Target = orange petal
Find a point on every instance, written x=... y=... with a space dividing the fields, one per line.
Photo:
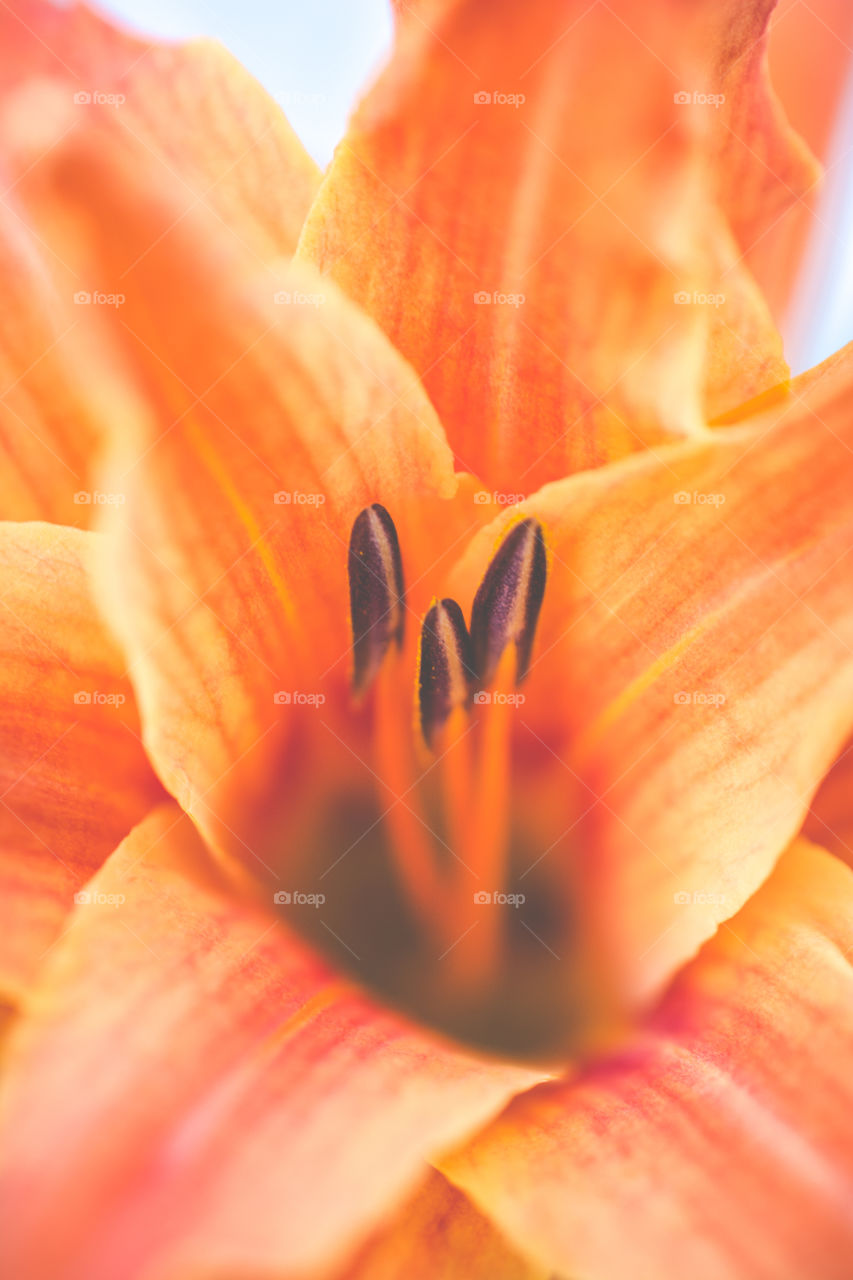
x=47 y=437
x=211 y=1094
x=693 y=677
x=597 y=199
x=438 y=1232
x=74 y=776
x=199 y=116
x=256 y=414
x=764 y=164
x=810 y=89
x=720 y=1144
x=200 y=119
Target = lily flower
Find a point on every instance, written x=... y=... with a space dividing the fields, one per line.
x=427 y=659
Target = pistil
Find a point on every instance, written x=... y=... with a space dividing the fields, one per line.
x=377 y=615
x=475 y=771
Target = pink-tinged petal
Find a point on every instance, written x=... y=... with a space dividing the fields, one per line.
x=74 y=778
x=829 y=821
x=542 y=159
x=198 y=115
x=693 y=675
x=720 y=1144
x=439 y=1233
x=210 y=1093
x=764 y=165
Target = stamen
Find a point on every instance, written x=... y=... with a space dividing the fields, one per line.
x=506 y=606
x=411 y=844
x=376 y=592
x=477 y=958
x=445 y=668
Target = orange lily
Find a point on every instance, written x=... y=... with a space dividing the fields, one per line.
x=425 y=800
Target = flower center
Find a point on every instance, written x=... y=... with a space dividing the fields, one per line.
x=417 y=825
x=450 y=828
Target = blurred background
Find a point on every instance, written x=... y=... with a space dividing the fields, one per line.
x=316 y=56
